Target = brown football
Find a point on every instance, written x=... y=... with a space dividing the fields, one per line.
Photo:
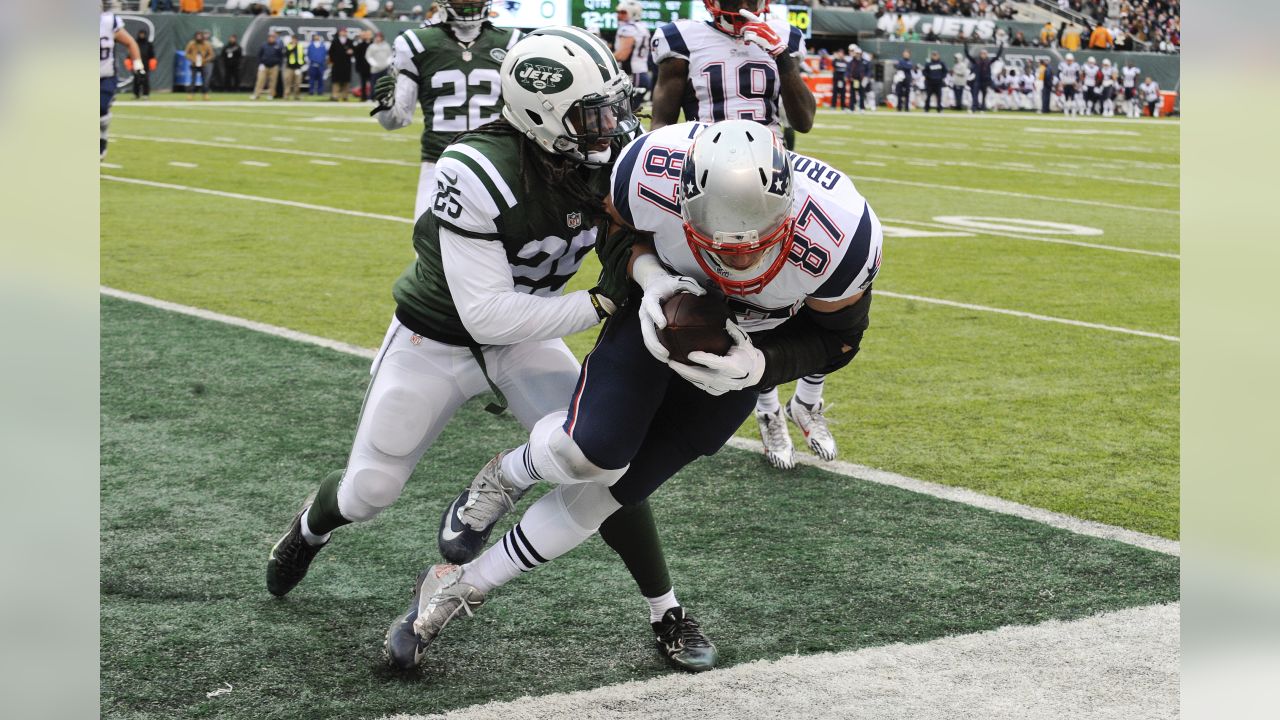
x=695 y=322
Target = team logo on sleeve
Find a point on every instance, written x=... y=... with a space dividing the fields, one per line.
x=498 y=54
x=543 y=75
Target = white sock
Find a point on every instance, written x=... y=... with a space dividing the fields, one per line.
x=557 y=523
x=517 y=466
x=768 y=402
x=658 y=606
x=809 y=389
x=311 y=538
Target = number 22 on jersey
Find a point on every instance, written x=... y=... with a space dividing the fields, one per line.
x=465 y=106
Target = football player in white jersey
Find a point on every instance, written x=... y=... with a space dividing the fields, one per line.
x=1129 y=78
x=631 y=47
x=737 y=67
x=1107 y=88
x=795 y=248
x=1091 y=74
x=111 y=31
x=1149 y=91
x=1069 y=80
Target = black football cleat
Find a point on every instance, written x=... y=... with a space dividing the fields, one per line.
x=467 y=522
x=404 y=648
x=290 y=557
x=682 y=642
x=447 y=597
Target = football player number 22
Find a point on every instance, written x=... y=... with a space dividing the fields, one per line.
x=449 y=113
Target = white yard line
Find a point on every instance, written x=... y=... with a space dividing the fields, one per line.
x=255 y=163
x=179 y=163
x=324 y=162
x=1027 y=315
x=1007 y=168
x=882 y=477
x=255 y=198
x=392 y=218
x=256 y=148
x=265 y=126
x=1036 y=238
x=1122 y=664
x=1010 y=193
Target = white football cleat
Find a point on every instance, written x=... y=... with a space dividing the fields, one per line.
x=813 y=423
x=778 y=449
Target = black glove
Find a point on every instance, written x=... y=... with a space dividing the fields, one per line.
x=615 y=255
x=384 y=94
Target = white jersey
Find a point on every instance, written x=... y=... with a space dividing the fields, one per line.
x=1027 y=83
x=1090 y=75
x=1131 y=74
x=838 y=239
x=1150 y=91
x=1108 y=77
x=731 y=79
x=108 y=26
x=1069 y=73
x=638 y=63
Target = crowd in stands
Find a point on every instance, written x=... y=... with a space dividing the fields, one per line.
x=372 y=9
x=998 y=9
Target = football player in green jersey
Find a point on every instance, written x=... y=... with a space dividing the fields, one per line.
x=481 y=308
x=451 y=70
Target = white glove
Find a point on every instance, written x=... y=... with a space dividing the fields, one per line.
x=761 y=34
x=719 y=374
x=658 y=285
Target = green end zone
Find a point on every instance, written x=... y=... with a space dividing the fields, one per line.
x=212 y=435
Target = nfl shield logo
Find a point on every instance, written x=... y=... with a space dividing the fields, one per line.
x=574 y=219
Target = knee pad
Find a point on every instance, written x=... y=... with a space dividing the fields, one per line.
x=398 y=419
x=558 y=459
x=367 y=491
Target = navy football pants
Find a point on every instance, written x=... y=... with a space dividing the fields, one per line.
x=630 y=408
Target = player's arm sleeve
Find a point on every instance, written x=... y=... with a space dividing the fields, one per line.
x=813 y=342
x=483 y=291
x=620 y=180
x=669 y=43
x=795 y=42
x=400 y=114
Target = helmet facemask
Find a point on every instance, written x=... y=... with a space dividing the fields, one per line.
x=465 y=16
x=597 y=125
x=726 y=18
x=736 y=200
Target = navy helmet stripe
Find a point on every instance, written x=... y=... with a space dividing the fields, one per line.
x=855 y=258
x=622 y=180
x=675 y=39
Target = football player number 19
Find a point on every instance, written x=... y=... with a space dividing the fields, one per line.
x=754 y=81
x=449 y=114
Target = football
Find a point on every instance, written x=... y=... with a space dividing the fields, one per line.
x=695 y=322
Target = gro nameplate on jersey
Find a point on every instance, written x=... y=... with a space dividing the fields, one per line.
x=573 y=220
x=543 y=75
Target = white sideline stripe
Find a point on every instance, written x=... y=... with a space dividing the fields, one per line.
x=965 y=496
x=392 y=218
x=1010 y=193
x=1005 y=115
x=1030 y=316
x=179 y=163
x=1036 y=238
x=113 y=166
x=323 y=162
x=257 y=148
x=263 y=126
x=1122 y=664
x=275 y=330
x=255 y=198
x=255 y=163
x=882 y=477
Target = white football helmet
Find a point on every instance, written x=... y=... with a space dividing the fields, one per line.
x=725 y=16
x=736 y=196
x=563 y=88
x=633 y=9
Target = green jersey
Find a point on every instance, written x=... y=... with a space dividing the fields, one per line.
x=458 y=84
x=481 y=195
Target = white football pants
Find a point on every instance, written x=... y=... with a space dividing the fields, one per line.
x=426 y=189
x=417 y=386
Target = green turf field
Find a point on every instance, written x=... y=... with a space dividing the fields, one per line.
x=211 y=434
x=1077 y=420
